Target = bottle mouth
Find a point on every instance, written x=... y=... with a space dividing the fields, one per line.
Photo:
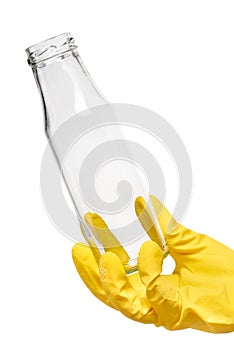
x=56 y=46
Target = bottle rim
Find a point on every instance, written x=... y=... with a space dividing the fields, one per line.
x=50 y=48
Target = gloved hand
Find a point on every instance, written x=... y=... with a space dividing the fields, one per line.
x=105 y=275
x=199 y=294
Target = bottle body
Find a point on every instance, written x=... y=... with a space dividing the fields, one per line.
x=70 y=96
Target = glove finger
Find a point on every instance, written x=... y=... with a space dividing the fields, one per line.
x=92 y=245
x=120 y=293
x=165 y=219
x=104 y=236
x=87 y=267
x=150 y=260
x=161 y=290
x=166 y=299
x=145 y=216
x=180 y=239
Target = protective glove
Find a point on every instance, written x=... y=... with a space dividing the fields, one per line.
x=199 y=293
x=128 y=294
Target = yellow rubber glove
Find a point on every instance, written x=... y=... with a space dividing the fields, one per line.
x=199 y=294
x=128 y=294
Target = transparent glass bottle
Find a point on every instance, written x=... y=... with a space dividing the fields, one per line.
x=66 y=90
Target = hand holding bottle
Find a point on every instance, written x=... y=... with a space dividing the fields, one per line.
x=199 y=293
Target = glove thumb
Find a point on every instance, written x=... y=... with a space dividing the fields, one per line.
x=161 y=290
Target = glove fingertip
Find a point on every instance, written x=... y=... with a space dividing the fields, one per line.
x=110 y=263
x=149 y=250
x=149 y=262
x=78 y=249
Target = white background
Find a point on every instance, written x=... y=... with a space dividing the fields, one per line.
x=175 y=57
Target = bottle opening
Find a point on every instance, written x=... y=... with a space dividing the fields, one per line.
x=53 y=47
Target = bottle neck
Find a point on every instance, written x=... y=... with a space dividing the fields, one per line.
x=63 y=81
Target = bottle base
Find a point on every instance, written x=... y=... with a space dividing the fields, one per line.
x=131 y=266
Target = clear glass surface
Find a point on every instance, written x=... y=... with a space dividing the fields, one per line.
x=67 y=90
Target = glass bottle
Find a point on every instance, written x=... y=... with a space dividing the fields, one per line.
x=66 y=90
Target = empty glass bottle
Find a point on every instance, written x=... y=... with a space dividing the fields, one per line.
x=67 y=90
